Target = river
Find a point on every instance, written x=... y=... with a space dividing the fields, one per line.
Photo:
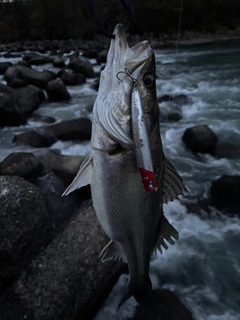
x=203 y=267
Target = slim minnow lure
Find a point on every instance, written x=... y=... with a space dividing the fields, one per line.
x=140 y=138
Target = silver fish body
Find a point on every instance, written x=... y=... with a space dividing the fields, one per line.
x=131 y=217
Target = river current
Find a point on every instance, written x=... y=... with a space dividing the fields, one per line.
x=203 y=267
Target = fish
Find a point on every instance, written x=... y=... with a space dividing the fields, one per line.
x=130 y=210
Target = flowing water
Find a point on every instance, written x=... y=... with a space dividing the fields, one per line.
x=203 y=268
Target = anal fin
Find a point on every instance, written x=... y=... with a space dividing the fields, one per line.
x=112 y=251
x=166 y=232
x=83 y=176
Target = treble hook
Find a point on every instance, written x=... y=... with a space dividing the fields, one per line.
x=127 y=5
x=128 y=73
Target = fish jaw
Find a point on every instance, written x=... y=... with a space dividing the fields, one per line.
x=113 y=104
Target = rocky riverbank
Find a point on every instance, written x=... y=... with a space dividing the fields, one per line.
x=51 y=270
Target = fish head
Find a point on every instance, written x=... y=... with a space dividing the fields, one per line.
x=124 y=65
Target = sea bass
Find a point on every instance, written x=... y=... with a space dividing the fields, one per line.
x=130 y=215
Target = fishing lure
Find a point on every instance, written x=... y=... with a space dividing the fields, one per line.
x=140 y=138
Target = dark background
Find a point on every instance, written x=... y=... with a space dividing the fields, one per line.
x=63 y=19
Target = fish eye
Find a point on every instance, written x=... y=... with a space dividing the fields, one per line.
x=148 y=81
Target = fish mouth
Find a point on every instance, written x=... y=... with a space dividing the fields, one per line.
x=125 y=57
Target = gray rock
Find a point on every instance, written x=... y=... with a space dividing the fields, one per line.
x=35 y=77
x=31 y=55
x=10 y=114
x=68 y=280
x=102 y=56
x=21 y=164
x=28 y=100
x=39 y=92
x=26 y=224
x=82 y=65
x=200 y=139
x=40 y=60
x=225 y=193
x=57 y=91
x=33 y=139
x=170 y=111
x=4 y=66
x=74 y=129
x=73 y=79
x=168 y=307
x=58 y=62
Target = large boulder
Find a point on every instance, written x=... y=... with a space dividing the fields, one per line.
x=200 y=139
x=32 y=76
x=27 y=99
x=4 y=66
x=82 y=65
x=72 y=79
x=26 y=224
x=225 y=193
x=40 y=60
x=33 y=139
x=57 y=91
x=168 y=307
x=10 y=114
x=21 y=164
x=74 y=129
x=58 y=62
x=67 y=280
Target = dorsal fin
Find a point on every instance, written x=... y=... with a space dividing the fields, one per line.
x=112 y=251
x=172 y=183
x=83 y=176
x=166 y=232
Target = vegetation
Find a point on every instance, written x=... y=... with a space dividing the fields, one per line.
x=63 y=19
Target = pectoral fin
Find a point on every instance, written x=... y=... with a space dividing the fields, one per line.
x=172 y=183
x=166 y=232
x=112 y=251
x=83 y=176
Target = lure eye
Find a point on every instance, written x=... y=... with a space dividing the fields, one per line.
x=148 y=81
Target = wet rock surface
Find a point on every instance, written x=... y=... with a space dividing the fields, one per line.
x=225 y=193
x=57 y=91
x=200 y=139
x=33 y=139
x=21 y=164
x=67 y=280
x=26 y=224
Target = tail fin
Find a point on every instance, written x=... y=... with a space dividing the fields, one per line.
x=144 y=297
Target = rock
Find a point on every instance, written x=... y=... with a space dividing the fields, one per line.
x=68 y=280
x=200 y=139
x=40 y=60
x=73 y=79
x=90 y=53
x=10 y=114
x=168 y=307
x=58 y=62
x=40 y=118
x=95 y=85
x=12 y=55
x=26 y=224
x=225 y=193
x=22 y=63
x=57 y=91
x=35 y=77
x=28 y=100
x=66 y=168
x=74 y=129
x=4 y=66
x=31 y=55
x=102 y=56
x=170 y=111
x=39 y=92
x=165 y=98
x=33 y=139
x=82 y=65
x=182 y=99
x=21 y=164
